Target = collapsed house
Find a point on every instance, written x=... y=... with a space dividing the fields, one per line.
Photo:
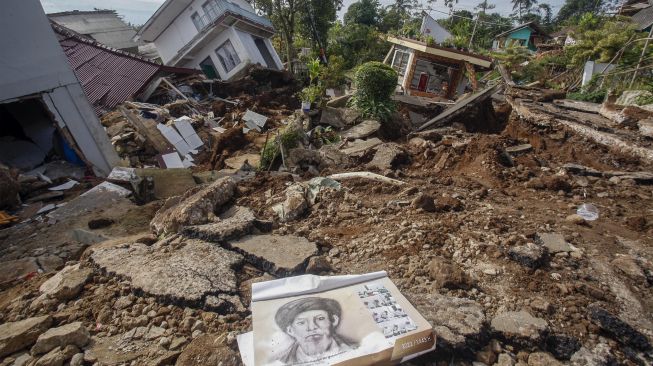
x=433 y=71
x=529 y=35
x=107 y=75
x=42 y=104
x=104 y=26
x=219 y=37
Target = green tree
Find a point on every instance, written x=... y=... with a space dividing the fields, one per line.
x=363 y=12
x=308 y=17
x=356 y=44
x=572 y=10
x=521 y=8
x=602 y=38
x=315 y=18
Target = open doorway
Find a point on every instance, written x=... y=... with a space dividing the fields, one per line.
x=265 y=52
x=208 y=67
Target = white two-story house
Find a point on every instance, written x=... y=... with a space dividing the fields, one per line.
x=221 y=37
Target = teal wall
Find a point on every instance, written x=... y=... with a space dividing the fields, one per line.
x=525 y=34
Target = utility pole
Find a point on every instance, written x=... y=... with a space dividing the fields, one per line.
x=639 y=63
x=478 y=17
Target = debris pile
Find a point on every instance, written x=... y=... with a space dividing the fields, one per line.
x=522 y=239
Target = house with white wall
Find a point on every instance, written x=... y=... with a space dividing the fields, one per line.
x=43 y=108
x=220 y=37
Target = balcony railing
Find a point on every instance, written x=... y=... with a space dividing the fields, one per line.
x=216 y=9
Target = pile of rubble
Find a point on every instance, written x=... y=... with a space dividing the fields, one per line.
x=526 y=243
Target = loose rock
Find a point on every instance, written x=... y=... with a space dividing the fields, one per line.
x=73 y=333
x=15 y=336
x=67 y=283
x=519 y=324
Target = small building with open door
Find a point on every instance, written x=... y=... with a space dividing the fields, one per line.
x=434 y=71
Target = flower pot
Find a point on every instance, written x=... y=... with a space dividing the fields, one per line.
x=306 y=106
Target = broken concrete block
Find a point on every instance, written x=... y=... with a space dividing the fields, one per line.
x=194 y=207
x=73 y=333
x=359 y=148
x=15 y=336
x=646 y=127
x=554 y=242
x=361 y=130
x=276 y=254
x=184 y=271
x=519 y=324
x=235 y=222
x=295 y=204
x=331 y=117
x=388 y=156
x=529 y=255
x=317 y=265
x=67 y=283
x=458 y=323
x=339 y=102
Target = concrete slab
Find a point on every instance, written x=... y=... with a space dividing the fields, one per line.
x=179 y=271
x=276 y=254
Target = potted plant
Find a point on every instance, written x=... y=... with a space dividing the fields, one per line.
x=314 y=90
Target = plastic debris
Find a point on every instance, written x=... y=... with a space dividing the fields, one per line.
x=588 y=211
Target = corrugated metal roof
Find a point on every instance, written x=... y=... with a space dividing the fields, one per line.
x=108 y=76
x=644 y=18
x=105 y=26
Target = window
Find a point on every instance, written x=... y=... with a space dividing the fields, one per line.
x=227 y=56
x=400 y=61
x=210 y=9
x=197 y=20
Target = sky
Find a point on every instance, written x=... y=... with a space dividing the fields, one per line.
x=138 y=11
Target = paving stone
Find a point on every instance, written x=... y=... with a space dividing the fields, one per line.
x=15 y=336
x=458 y=322
x=276 y=254
x=73 y=333
x=233 y=223
x=554 y=242
x=181 y=270
x=519 y=324
x=67 y=283
x=194 y=207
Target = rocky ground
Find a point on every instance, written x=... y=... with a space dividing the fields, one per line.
x=478 y=230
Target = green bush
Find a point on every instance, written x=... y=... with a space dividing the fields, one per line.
x=597 y=96
x=376 y=83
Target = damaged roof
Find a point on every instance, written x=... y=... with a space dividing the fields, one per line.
x=104 y=26
x=108 y=76
x=532 y=25
x=644 y=18
x=472 y=58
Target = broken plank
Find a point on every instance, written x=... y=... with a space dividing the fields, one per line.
x=456 y=109
x=148 y=129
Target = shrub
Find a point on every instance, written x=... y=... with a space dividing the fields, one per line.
x=375 y=80
x=596 y=96
x=375 y=83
